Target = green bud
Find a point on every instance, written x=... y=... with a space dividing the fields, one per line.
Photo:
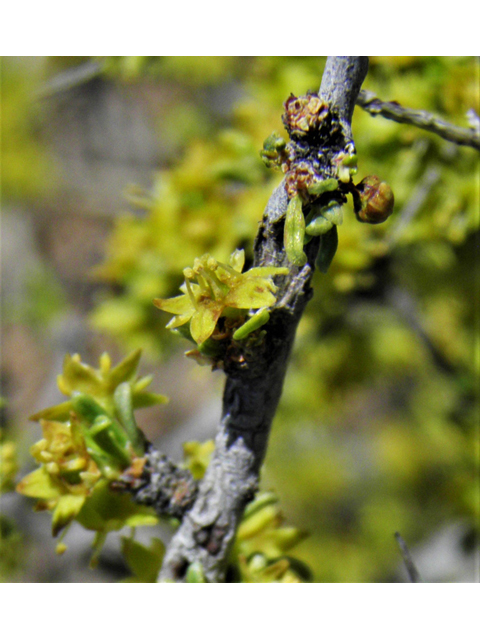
x=261 y=501
x=318 y=225
x=273 y=148
x=322 y=186
x=294 y=232
x=259 y=521
x=327 y=249
x=274 y=143
x=333 y=212
x=252 y=324
x=258 y=562
x=195 y=573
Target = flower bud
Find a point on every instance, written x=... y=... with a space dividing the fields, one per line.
x=373 y=200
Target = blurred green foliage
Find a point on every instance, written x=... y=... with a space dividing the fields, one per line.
x=26 y=165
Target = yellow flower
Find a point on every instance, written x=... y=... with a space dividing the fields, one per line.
x=87 y=442
x=66 y=476
x=219 y=288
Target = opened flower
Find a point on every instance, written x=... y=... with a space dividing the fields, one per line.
x=66 y=476
x=88 y=441
x=213 y=289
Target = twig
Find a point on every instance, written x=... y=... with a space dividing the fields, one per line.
x=423 y=119
x=255 y=380
x=70 y=79
x=412 y=571
x=163 y=485
x=414 y=204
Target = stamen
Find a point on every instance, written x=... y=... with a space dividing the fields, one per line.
x=190 y=294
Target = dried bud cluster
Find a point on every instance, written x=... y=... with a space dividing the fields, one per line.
x=312 y=127
x=304 y=115
x=319 y=162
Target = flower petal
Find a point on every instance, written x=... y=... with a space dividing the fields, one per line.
x=178 y=321
x=39 y=484
x=251 y=294
x=180 y=305
x=204 y=321
x=66 y=510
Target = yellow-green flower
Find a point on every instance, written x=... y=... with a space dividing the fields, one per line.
x=87 y=442
x=219 y=289
x=101 y=384
x=67 y=473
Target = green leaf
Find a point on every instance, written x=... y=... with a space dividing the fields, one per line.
x=237 y=260
x=144 y=562
x=77 y=376
x=318 y=225
x=197 y=456
x=125 y=370
x=124 y=407
x=107 y=511
x=148 y=399
x=59 y=412
x=327 y=249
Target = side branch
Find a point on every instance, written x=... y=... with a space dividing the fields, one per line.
x=469 y=137
x=163 y=485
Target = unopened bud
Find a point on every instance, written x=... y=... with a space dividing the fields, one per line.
x=373 y=200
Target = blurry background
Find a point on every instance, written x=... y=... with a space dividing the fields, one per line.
x=118 y=172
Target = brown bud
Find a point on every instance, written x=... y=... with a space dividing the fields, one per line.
x=304 y=113
x=373 y=200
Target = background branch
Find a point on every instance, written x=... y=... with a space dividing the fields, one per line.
x=423 y=119
x=255 y=378
x=412 y=570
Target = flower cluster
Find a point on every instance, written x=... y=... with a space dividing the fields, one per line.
x=88 y=441
x=304 y=115
x=213 y=289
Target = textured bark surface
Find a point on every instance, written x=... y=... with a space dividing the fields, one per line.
x=255 y=376
x=423 y=120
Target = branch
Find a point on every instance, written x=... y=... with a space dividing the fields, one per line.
x=171 y=490
x=255 y=376
x=70 y=79
x=412 y=570
x=423 y=119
